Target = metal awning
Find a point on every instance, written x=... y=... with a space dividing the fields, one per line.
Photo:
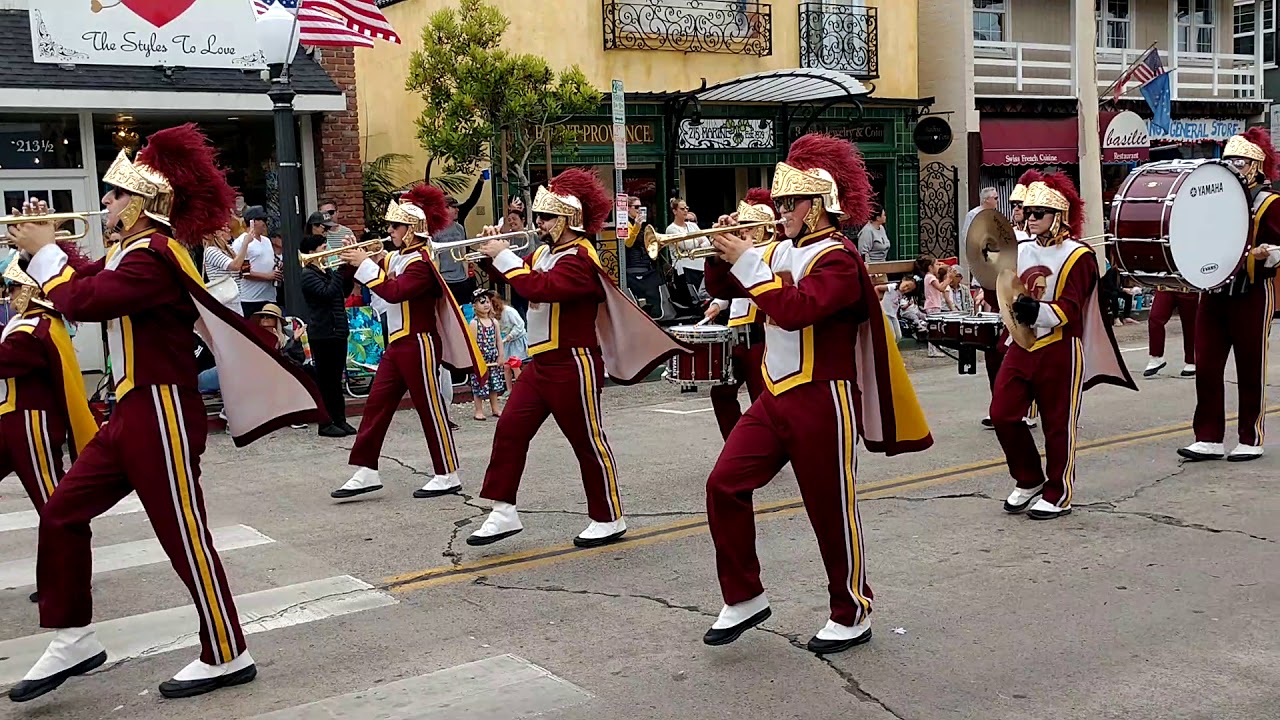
x=786 y=87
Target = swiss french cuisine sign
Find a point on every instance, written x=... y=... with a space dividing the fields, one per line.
x=177 y=33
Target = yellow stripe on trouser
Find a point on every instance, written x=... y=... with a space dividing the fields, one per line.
x=202 y=569
x=431 y=377
x=1260 y=425
x=587 y=369
x=37 y=434
x=848 y=429
x=1077 y=380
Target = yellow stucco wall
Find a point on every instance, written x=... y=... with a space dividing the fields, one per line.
x=568 y=32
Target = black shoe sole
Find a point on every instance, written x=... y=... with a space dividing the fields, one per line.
x=32 y=689
x=1152 y=373
x=332 y=432
x=1186 y=374
x=34 y=597
x=341 y=494
x=1242 y=458
x=474 y=541
x=831 y=647
x=725 y=636
x=597 y=542
x=1035 y=515
x=987 y=423
x=1195 y=456
x=174 y=689
x=423 y=494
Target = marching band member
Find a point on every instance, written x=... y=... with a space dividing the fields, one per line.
x=149 y=292
x=1238 y=316
x=1016 y=200
x=425 y=329
x=42 y=398
x=1186 y=303
x=1073 y=351
x=579 y=326
x=832 y=374
x=748 y=354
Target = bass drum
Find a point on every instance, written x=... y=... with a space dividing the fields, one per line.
x=1181 y=225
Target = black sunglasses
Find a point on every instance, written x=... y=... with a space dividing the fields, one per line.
x=1038 y=213
x=544 y=217
x=788 y=204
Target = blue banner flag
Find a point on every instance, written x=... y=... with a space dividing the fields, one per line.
x=1158 y=97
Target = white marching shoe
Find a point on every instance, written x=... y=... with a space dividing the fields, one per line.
x=503 y=522
x=365 y=480
x=440 y=485
x=1045 y=510
x=834 y=637
x=736 y=619
x=1245 y=453
x=1198 y=451
x=1155 y=365
x=1189 y=370
x=200 y=677
x=601 y=533
x=1021 y=498
x=71 y=652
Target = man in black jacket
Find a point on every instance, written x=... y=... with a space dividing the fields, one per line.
x=325 y=291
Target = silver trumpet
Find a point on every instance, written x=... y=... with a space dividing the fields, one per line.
x=461 y=250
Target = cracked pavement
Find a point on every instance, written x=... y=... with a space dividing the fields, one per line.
x=1154 y=599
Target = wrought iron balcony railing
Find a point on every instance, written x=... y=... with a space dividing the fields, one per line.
x=840 y=38
x=713 y=26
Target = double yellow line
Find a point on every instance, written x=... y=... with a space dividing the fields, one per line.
x=540 y=557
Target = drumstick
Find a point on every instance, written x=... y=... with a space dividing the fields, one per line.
x=702 y=322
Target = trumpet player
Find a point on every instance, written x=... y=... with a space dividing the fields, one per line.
x=832 y=374
x=579 y=326
x=744 y=315
x=425 y=329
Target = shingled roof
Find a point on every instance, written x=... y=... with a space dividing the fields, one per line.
x=22 y=71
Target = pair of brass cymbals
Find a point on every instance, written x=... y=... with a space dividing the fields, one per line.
x=991 y=247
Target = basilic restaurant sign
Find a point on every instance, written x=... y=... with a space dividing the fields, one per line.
x=726 y=134
x=177 y=33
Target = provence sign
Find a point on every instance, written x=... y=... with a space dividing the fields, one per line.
x=177 y=33
x=727 y=134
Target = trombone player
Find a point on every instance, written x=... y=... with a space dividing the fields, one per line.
x=425 y=329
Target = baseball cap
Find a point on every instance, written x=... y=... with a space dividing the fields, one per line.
x=255 y=212
x=319 y=218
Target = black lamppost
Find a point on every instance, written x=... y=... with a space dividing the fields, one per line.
x=278 y=35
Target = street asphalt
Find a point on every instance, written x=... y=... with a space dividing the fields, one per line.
x=1157 y=598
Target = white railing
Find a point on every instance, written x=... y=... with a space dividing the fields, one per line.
x=1040 y=70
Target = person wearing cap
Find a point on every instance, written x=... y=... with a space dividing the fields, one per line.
x=148 y=292
x=832 y=376
x=1236 y=319
x=272 y=322
x=325 y=291
x=258 y=281
x=1073 y=350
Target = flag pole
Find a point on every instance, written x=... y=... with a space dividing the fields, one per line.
x=1124 y=76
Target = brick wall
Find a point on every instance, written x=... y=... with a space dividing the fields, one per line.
x=337 y=140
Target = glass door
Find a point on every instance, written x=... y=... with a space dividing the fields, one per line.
x=62 y=195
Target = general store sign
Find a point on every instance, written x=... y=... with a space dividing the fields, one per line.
x=726 y=134
x=1199 y=130
x=177 y=33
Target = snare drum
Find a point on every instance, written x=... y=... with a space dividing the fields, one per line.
x=709 y=363
x=944 y=328
x=981 y=330
x=1181 y=225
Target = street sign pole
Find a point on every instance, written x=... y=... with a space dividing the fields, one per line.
x=619 y=164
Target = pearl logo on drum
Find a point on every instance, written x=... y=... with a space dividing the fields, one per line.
x=1201 y=190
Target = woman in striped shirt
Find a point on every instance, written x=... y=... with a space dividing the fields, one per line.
x=220 y=263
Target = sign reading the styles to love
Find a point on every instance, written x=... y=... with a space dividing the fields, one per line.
x=178 y=33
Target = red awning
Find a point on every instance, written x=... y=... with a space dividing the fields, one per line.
x=1018 y=141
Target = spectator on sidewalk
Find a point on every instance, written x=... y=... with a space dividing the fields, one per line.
x=892 y=298
x=258 y=279
x=222 y=268
x=325 y=291
x=338 y=234
x=456 y=273
x=643 y=279
x=873 y=239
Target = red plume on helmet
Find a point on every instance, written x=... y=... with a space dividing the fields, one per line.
x=1075 y=216
x=1260 y=137
x=431 y=201
x=842 y=159
x=760 y=196
x=585 y=185
x=1030 y=176
x=75 y=256
x=202 y=199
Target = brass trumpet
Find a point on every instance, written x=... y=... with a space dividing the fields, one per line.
x=57 y=219
x=654 y=241
x=460 y=250
x=330 y=258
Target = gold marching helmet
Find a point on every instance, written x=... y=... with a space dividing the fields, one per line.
x=757 y=207
x=1019 y=194
x=1253 y=145
x=408 y=214
x=22 y=289
x=789 y=181
x=152 y=193
x=566 y=206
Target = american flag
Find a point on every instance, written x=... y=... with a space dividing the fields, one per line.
x=1147 y=68
x=336 y=23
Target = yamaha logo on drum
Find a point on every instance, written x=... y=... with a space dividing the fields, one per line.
x=1211 y=267
x=1213 y=189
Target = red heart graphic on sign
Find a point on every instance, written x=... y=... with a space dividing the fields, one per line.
x=158 y=12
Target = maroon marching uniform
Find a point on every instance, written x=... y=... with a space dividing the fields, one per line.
x=1187 y=305
x=831 y=378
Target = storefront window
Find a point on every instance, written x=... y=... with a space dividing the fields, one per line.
x=40 y=142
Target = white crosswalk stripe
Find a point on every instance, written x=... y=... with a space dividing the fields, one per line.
x=28 y=519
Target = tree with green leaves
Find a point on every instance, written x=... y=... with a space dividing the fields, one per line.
x=476 y=94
